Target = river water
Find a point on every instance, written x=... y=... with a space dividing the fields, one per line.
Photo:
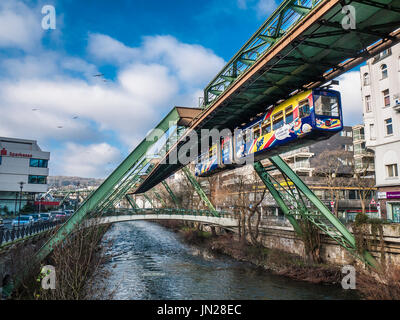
x=150 y=262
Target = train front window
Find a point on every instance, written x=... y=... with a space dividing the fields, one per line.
x=327 y=105
x=277 y=121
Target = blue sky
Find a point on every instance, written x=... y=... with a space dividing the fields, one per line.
x=153 y=54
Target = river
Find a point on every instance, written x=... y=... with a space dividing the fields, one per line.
x=150 y=262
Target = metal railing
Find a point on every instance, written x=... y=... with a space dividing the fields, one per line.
x=169 y=211
x=8 y=236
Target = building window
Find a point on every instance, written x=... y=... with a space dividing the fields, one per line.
x=391 y=170
x=389 y=126
x=386 y=98
x=384 y=71
x=37 y=179
x=38 y=163
x=368 y=103
x=372 y=133
x=366 y=79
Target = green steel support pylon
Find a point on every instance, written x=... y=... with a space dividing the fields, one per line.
x=169 y=190
x=149 y=200
x=294 y=193
x=131 y=201
x=199 y=190
x=264 y=176
x=160 y=198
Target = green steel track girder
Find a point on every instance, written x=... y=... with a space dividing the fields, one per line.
x=171 y=193
x=324 y=220
x=288 y=14
x=131 y=201
x=196 y=185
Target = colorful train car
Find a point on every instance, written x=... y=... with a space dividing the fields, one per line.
x=301 y=120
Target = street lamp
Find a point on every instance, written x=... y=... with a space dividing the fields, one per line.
x=21 y=185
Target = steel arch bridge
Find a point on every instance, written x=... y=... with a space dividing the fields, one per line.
x=224 y=219
x=302 y=45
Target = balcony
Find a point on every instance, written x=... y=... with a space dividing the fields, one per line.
x=300 y=165
x=358 y=137
x=304 y=152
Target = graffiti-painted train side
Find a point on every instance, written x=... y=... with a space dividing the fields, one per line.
x=300 y=120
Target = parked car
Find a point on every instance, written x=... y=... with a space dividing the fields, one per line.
x=36 y=218
x=57 y=215
x=45 y=216
x=22 y=221
x=68 y=212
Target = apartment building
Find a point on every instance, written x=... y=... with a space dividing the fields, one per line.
x=380 y=86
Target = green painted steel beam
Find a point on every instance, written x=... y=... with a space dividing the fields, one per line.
x=196 y=185
x=335 y=229
x=158 y=196
x=288 y=14
x=264 y=176
x=120 y=190
x=284 y=167
x=149 y=200
x=171 y=193
x=107 y=186
x=131 y=201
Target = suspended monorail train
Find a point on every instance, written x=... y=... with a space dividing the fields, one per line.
x=301 y=120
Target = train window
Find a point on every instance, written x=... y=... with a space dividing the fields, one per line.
x=327 y=105
x=289 y=114
x=256 y=131
x=266 y=127
x=304 y=108
x=247 y=136
x=277 y=120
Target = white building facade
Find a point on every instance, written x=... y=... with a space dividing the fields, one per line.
x=380 y=80
x=22 y=163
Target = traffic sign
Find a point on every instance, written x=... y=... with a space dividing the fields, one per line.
x=373 y=202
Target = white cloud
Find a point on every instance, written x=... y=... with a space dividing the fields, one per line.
x=105 y=48
x=19 y=27
x=265 y=7
x=86 y=160
x=192 y=63
x=53 y=97
x=350 y=89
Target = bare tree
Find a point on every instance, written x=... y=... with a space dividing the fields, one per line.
x=334 y=167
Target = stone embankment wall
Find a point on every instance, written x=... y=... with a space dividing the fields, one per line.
x=279 y=234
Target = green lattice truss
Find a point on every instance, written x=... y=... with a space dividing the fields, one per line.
x=291 y=198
